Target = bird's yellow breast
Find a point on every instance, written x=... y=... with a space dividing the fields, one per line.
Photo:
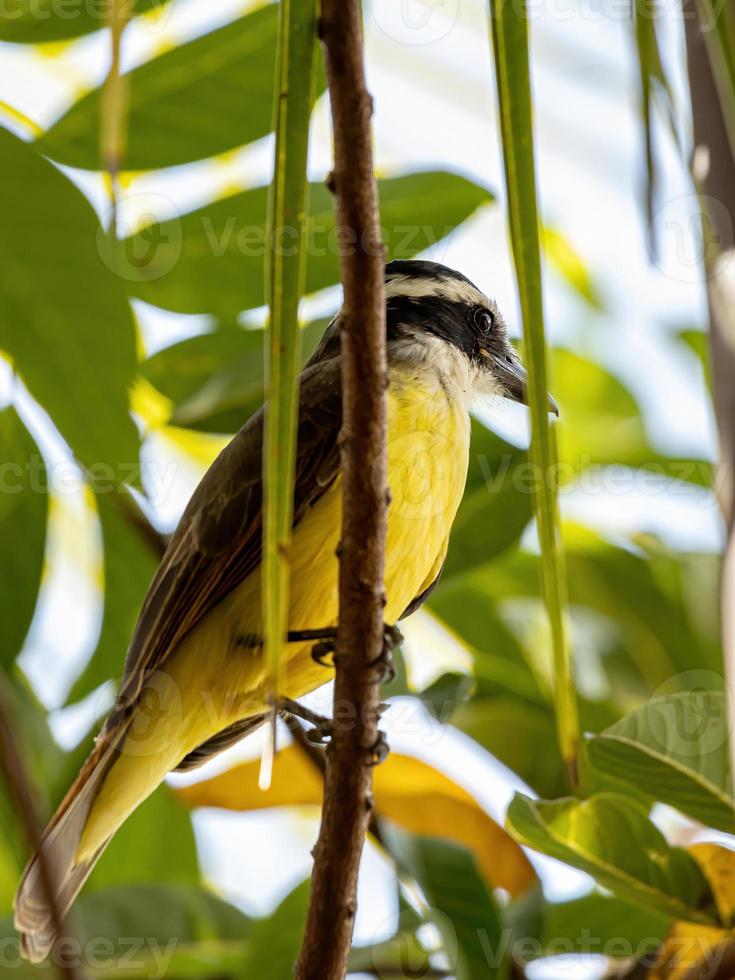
x=211 y=681
x=428 y=451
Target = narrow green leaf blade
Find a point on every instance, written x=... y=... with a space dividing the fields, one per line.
x=509 y=23
x=611 y=838
x=717 y=24
x=285 y=270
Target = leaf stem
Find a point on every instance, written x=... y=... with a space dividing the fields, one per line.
x=113 y=112
x=285 y=272
x=509 y=28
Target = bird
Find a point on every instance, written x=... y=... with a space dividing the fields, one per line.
x=195 y=679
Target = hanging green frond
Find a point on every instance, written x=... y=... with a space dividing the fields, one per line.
x=510 y=43
x=285 y=267
x=655 y=90
x=717 y=23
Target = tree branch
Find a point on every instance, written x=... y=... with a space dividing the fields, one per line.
x=347 y=792
x=20 y=791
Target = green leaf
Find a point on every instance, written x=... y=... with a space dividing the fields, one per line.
x=212 y=260
x=512 y=730
x=64 y=317
x=603 y=925
x=460 y=905
x=215 y=380
x=611 y=838
x=648 y=635
x=496 y=506
x=606 y=427
x=23 y=516
x=285 y=269
x=129 y=565
x=275 y=941
x=675 y=750
x=400 y=956
x=136 y=931
x=155 y=844
x=697 y=342
x=41 y=21
x=509 y=24
x=160 y=911
x=567 y=262
x=199 y=99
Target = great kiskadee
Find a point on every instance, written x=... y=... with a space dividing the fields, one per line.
x=195 y=678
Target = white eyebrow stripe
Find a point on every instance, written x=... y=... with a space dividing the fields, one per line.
x=420 y=286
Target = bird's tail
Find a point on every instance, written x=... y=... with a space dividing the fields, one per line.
x=34 y=916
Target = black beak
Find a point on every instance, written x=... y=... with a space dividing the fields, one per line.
x=513 y=376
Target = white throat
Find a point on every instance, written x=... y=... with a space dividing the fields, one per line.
x=438 y=362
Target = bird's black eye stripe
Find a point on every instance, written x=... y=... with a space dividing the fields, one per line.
x=484 y=320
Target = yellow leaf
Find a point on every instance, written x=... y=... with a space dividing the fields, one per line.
x=408 y=791
x=718 y=865
x=692 y=952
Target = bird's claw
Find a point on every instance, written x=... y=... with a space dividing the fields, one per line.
x=322 y=653
x=379 y=751
x=392 y=638
x=320 y=734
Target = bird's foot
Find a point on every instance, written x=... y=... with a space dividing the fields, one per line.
x=323 y=651
x=379 y=751
x=383 y=663
x=322 y=729
x=321 y=726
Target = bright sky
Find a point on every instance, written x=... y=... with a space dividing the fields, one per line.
x=430 y=74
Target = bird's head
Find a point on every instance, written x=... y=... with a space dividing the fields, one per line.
x=437 y=317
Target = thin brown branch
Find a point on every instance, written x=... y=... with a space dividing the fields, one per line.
x=17 y=781
x=347 y=791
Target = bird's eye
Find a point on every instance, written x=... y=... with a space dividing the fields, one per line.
x=484 y=320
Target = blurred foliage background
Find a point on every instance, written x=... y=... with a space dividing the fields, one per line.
x=124 y=370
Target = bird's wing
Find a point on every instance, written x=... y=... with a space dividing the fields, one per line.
x=218 y=541
x=429 y=584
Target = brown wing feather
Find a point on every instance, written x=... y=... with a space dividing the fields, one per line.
x=218 y=540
